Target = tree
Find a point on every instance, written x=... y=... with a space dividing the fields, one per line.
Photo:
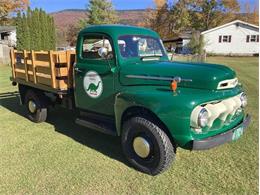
x=72 y=34
x=179 y=17
x=249 y=16
x=35 y=30
x=159 y=20
x=172 y=18
x=196 y=43
x=8 y=7
x=208 y=14
x=100 y=12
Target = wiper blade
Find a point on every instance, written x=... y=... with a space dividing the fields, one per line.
x=150 y=56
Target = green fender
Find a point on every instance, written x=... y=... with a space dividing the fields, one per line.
x=172 y=108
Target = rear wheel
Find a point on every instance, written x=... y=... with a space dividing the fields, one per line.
x=146 y=146
x=35 y=106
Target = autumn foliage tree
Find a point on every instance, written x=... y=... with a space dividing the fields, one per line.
x=208 y=14
x=172 y=17
x=251 y=16
x=8 y=7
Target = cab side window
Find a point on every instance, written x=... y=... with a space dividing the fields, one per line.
x=91 y=44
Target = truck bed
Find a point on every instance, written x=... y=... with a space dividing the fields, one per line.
x=47 y=70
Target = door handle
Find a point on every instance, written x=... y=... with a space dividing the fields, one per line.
x=78 y=70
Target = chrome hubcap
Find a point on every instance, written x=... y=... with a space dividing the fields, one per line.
x=141 y=147
x=32 y=106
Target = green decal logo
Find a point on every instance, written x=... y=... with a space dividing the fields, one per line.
x=93 y=84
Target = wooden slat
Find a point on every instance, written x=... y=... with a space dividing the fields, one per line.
x=46 y=76
x=68 y=56
x=29 y=62
x=33 y=64
x=40 y=86
x=61 y=58
x=44 y=70
x=17 y=52
x=19 y=70
x=63 y=84
x=20 y=75
x=12 y=62
x=41 y=63
x=45 y=81
x=62 y=72
x=41 y=52
x=52 y=64
x=25 y=65
x=30 y=72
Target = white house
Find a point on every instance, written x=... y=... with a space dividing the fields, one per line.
x=7 y=41
x=8 y=35
x=234 y=38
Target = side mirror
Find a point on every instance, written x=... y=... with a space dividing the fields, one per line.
x=103 y=52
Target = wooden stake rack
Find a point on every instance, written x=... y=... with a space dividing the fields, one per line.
x=46 y=70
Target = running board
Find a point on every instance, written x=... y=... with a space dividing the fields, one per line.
x=101 y=126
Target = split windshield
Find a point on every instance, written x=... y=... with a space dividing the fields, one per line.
x=140 y=46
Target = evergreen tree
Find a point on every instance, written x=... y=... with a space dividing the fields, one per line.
x=26 y=32
x=52 y=35
x=100 y=12
x=20 y=32
x=35 y=31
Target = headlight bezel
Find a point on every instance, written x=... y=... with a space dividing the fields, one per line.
x=244 y=100
x=203 y=118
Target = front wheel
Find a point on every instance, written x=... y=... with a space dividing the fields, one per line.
x=146 y=146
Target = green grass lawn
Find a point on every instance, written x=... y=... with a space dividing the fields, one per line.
x=59 y=157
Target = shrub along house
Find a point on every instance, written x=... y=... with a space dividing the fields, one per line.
x=234 y=38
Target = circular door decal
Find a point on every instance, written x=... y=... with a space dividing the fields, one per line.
x=93 y=84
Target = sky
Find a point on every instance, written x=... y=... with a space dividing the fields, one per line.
x=58 y=5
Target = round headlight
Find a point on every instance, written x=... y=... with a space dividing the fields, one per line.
x=203 y=117
x=243 y=99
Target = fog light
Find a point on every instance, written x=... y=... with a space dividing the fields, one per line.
x=243 y=99
x=203 y=117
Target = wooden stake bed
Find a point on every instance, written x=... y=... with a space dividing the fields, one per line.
x=50 y=71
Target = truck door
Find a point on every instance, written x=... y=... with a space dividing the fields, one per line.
x=94 y=80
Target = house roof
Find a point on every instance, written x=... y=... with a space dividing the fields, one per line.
x=7 y=28
x=184 y=35
x=230 y=23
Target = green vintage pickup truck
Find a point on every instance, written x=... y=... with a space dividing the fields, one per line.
x=123 y=84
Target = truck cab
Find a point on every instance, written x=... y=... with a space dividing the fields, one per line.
x=125 y=85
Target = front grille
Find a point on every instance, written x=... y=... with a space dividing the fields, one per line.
x=221 y=110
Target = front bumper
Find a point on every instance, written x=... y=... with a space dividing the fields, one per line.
x=219 y=139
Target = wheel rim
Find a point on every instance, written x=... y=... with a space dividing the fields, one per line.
x=32 y=106
x=141 y=147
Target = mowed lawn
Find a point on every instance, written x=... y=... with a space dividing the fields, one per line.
x=59 y=157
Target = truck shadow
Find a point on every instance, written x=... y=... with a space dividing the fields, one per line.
x=63 y=122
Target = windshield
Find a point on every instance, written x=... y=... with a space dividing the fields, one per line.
x=140 y=46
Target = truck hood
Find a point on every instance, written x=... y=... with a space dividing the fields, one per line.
x=202 y=75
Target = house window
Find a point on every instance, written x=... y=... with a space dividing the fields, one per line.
x=252 y=38
x=224 y=39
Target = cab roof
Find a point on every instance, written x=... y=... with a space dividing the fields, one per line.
x=118 y=30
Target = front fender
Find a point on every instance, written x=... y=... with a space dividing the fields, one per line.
x=172 y=108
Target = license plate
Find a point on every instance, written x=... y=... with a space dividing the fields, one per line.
x=238 y=133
